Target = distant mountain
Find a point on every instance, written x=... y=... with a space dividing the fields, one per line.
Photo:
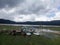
x=4 y=21
x=54 y=22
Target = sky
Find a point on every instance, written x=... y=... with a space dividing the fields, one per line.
x=30 y=10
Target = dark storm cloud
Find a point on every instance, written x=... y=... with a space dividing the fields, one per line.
x=10 y=3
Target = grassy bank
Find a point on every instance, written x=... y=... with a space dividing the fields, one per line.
x=52 y=28
x=22 y=40
x=5 y=27
x=33 y=40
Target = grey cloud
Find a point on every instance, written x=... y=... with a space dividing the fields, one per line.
x=34 y=8
x=25 y=7
x=10 y=3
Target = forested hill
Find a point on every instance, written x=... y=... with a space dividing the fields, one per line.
x=54 y=22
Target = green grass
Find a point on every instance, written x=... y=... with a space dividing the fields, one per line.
x=52 y=28
x=33 y=40
x=2 y=27
x=21 y=40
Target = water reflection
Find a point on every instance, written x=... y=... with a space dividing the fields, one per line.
x=41 y=31
x=47 y=33
x=35 y=30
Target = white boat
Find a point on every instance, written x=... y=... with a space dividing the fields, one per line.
x=28 y=33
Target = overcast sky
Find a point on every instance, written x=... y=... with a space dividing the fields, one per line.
x=30 y=10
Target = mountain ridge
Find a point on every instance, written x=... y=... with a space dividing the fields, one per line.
x=54 y=22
